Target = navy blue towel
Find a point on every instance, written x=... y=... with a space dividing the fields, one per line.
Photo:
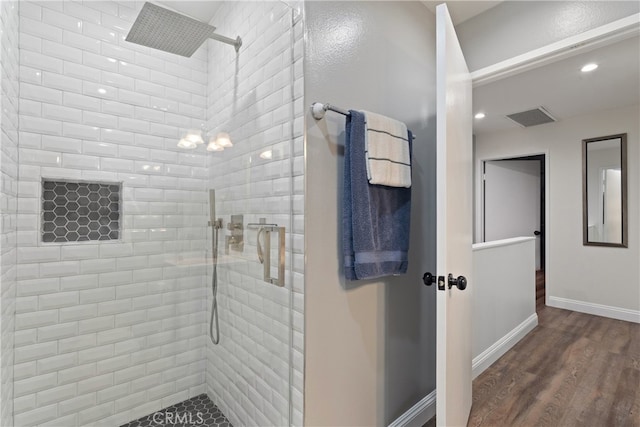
x=375 y=218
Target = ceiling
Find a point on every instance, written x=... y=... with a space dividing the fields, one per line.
x=204 y=10
x=562 y=89
x=460 y=11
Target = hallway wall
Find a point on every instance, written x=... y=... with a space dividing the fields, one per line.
x=369 y=345
x=587 y=275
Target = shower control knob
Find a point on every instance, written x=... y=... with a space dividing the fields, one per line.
x=460 y=282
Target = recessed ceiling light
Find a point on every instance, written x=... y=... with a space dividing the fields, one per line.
x=589 y=67
x=480 y=116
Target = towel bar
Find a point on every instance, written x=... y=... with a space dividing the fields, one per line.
x=318 y=110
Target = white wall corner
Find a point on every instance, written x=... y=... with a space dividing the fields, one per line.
x=595 y=309
x=418 y=414
x=490 y=355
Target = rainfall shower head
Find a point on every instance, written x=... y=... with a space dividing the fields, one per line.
x=172 y=32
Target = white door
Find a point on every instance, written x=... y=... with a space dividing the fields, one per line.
x=512 y=200
x=454 y=226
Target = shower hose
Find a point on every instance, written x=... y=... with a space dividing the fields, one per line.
x=214 y=286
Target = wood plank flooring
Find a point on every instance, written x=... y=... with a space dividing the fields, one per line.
x=574 y=369
x=540 y=289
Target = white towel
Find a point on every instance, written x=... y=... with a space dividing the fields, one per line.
x=387 y=151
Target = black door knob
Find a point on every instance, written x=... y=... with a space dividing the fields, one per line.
x=428 y=279
x=537 y=233
x=460 y=282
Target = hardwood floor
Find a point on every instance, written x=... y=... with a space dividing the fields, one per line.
x=540 y=289
x=574 y=369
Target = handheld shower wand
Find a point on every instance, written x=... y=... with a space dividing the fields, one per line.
x=216 y=225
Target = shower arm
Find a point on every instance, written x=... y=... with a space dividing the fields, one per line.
x=236 y=43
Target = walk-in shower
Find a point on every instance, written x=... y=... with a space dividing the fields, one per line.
x=111 y=327
x=172 y=32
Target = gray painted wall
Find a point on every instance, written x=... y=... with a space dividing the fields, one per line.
x=576 y=273
x=516 y=27
x=369 y=346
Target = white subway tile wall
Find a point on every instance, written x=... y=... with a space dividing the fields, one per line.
x=104 y=332
x=257 y=97
x=9 y=104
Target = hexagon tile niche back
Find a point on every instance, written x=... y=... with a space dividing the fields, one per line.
x=80 y=211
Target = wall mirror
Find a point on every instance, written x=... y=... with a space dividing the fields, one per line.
x=604 y=191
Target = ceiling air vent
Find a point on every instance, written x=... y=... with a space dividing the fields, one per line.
x=537 y=116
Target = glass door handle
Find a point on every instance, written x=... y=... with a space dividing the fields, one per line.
x=264 y=256
x=259 y=247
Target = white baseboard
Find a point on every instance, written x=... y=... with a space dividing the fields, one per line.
x=500 y=347
x=595 y=309
x=418 y=414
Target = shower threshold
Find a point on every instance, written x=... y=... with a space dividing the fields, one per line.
x=198 y=411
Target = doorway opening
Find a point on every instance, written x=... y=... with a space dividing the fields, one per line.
x=514 y=205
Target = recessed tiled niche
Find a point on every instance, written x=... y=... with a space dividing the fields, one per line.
x=80 y=211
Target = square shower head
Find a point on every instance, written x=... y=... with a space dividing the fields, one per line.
x=169 y=31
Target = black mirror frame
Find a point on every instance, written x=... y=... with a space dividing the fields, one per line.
x=623 y=172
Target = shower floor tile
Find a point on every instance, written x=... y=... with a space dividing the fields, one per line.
x=198 y=411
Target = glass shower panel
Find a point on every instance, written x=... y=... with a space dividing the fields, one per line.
x=251 y=98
